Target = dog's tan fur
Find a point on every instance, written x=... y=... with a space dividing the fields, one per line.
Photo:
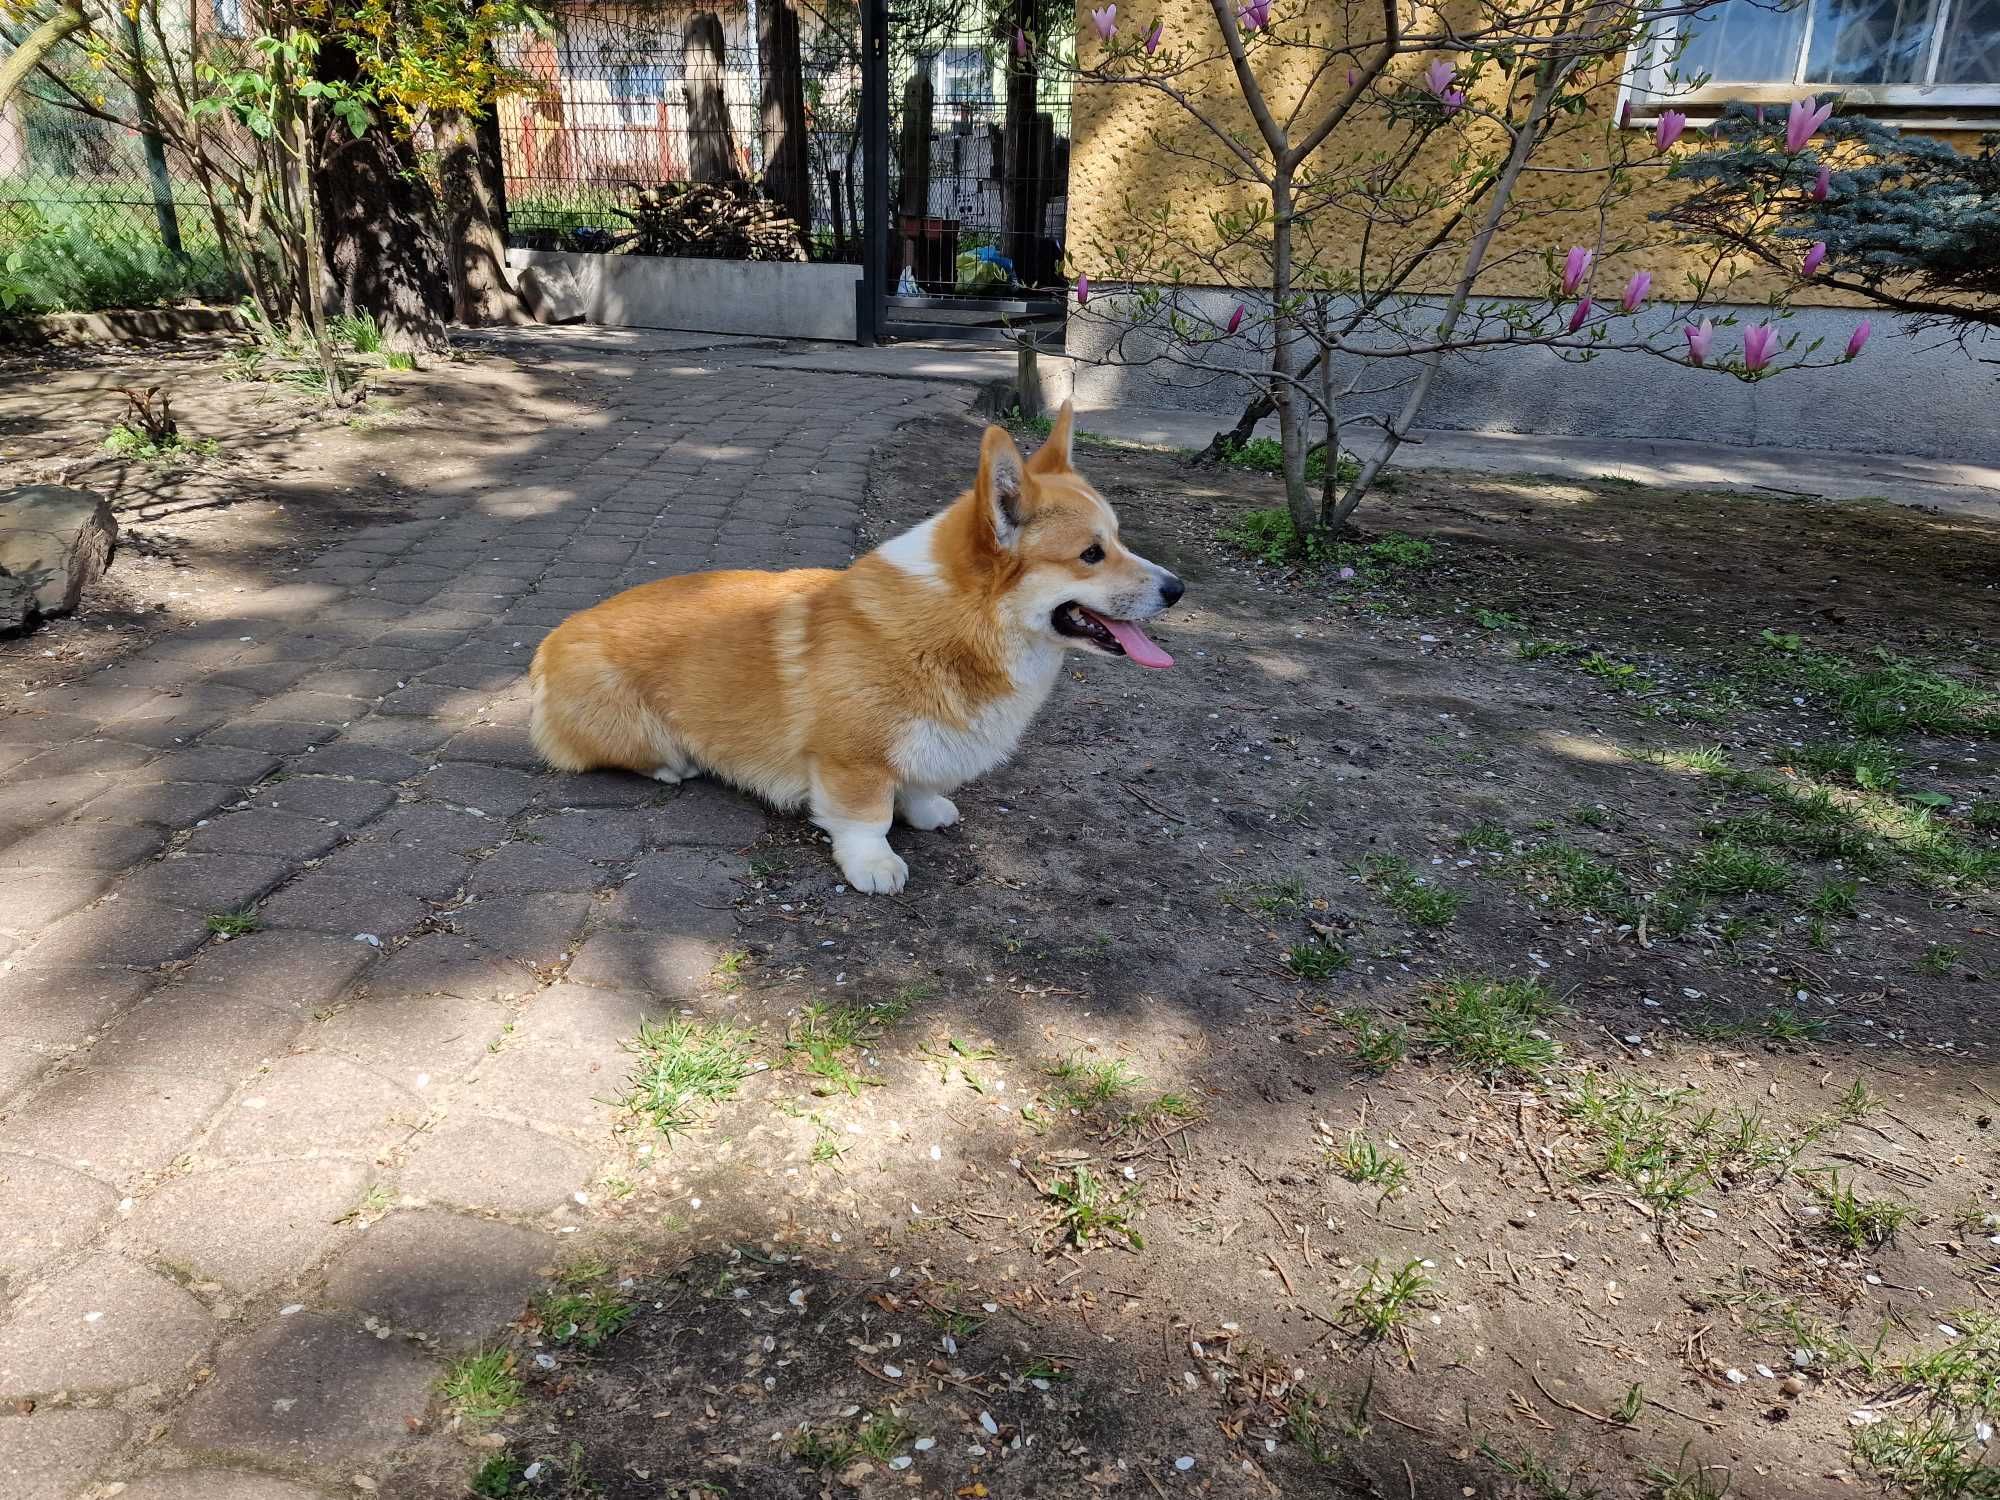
x=855 y=692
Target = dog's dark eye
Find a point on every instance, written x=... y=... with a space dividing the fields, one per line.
x=1093 y=554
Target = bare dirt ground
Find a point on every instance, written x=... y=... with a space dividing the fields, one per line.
x=1514 y=1022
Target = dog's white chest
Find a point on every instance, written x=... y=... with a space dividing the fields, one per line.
x=943 y=756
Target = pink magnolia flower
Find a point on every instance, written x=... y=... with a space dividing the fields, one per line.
x=1759 y=344
x=1582 y=311
x=1453 y=101
x=1235 y=319
x=1625 y=115
x=1351 y=76
x=1815 y=258
x=1699 y=341
x=1576 y=267
x=1105 y=20
x=1082 y=290
x=1667 y=129
x=1635 y=291
x=1857 y=339
x=1254 y=16
x=1822 y=184
x=1153 y=37
x=1437 y=77
x=1020 y=42
x=1803 y=121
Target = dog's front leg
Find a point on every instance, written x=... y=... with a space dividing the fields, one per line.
x=854 y=804
x=925 y=809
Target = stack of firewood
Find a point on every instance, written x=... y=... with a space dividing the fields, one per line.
x=715 y=220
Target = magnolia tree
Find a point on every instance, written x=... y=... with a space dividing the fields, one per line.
x=1378 y=169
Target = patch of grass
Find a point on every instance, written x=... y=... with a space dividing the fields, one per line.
x=1359 y=1159
x=823 y=1448
x=728 y=970
x=1568 y=879
x=583 y=1307
x=1486 y=838
x=1269 y=536
x=1834 y=898
x=1657 y=1141
x=1689 y=1481
x=881 y=1435
x=1936 y=1458
x=496 y=1477
x=1087 y=1084
x=1778 y=1024
x=1619 y=674
x=1378 y=1047
x=128 y=441
x=233 y=923
x=1857 y=1222
x=1885 y=697
x=1536 y=650
x=825 y=1037
x=1727 y=868
x=1262 y=455
x=1384 y=1300
x=1316 y=959
x=1491 y=1026
x=1312 y=1422
x=1698 y=760
x=1087 y=1209
x=396 y=359
x=1497 y=619
x=1870 y=765
x=360 y=332
x=1288 y=893
x=1537 y=1479
x=1939 y=959
x=1963 y=1376
x=683 y=1069
x=1415 y=899
x=482 y=1387
x=1985 y=815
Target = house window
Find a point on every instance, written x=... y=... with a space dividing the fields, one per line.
x=964 y=73
x=1924 y=54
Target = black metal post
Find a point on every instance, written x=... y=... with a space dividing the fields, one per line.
x=874 y=168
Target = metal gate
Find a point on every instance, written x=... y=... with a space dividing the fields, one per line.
x=965 y=143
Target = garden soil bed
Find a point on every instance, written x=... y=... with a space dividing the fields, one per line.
x=1046 y=1185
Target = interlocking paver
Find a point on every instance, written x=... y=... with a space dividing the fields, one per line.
x=46 y=1210
x=248 y=1094
x=51 y=1452
x=311 y=1104
x=247 y=1227
x=441 y=1274
x=111 y=1122
x=310 y=1388
x=492 y=1164
x=105 y=1324
x=61 y=1006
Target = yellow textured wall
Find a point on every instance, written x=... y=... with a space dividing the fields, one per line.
x=1133 y=143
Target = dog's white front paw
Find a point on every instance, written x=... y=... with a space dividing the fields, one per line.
x=928 y=810
x=671 y=775
x=872 y=867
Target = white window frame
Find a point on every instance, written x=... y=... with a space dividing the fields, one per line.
x=1935 y=106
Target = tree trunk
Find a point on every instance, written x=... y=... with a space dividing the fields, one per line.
x=165 y=216
x=711 y=144
x=1285 y=368
x=378 y=224
x=471 y=173
x=787 y=169
x=37 y=44
x=1020 y=215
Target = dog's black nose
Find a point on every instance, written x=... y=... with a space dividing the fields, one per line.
x=1171 y=589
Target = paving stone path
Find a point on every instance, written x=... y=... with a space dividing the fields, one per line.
x=255 y=1191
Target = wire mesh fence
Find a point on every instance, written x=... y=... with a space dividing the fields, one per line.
x=626 y=98
x=94 y=214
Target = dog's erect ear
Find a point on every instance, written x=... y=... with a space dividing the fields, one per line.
x=1053 y=456
x=1001 y=481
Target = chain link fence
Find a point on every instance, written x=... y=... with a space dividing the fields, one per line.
x=626 y=98
x=94 y=214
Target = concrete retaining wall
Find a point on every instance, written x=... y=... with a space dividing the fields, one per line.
x=1921 y=396
x=759 y=298
x=123 y=325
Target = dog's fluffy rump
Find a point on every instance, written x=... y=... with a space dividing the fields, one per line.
x=863 y=691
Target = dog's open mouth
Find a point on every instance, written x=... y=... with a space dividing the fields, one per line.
x=1113 y=637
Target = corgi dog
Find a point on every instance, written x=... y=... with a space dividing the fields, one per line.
x=864 y=692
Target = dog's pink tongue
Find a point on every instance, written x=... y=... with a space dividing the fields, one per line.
x=1138 y=645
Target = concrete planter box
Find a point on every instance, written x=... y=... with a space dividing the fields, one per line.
x=772 y=299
